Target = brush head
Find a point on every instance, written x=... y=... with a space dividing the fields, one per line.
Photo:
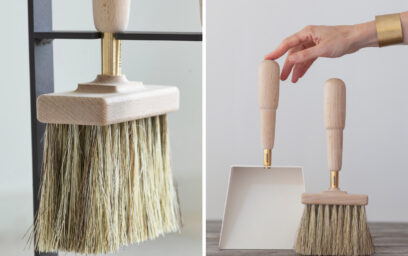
x=335 y=197
x=334 y=230
x=104 y=187
x=107 y=100
x=334 y=223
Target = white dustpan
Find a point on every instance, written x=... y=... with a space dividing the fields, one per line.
x=263 y=207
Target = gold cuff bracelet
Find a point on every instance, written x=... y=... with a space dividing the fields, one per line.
x=389 y=30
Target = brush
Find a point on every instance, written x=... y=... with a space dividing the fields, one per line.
x=334 y=222
x=106 y=175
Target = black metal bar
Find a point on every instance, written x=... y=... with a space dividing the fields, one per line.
x=41 y=81
x=68 y=35
x=162 y=36
x=129 y=35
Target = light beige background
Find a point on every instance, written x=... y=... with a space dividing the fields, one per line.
x=175 y=63
x=239 y=34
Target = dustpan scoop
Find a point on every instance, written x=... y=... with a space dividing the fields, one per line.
x=263 y=207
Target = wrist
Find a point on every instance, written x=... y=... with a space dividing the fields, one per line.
x=404 y=26
x=365 y=35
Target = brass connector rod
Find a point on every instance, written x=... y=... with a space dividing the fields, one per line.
x=267 y=157
x=111 y=55
x=334 y=179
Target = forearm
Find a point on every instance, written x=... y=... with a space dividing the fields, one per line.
x=366 y=33
x=313 y=42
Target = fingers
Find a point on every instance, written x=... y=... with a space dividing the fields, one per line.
x=290 y=42
x=306 y=55
x=302 y=53
x=300 y=69
x=287 y=67
x=306 y=67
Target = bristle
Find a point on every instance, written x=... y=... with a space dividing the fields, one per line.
x=326 y=242
x=302 y=243
x=319 y=230
x=346 y=249
x=169 y=197
x=354 y=230
x=365 y=241
x=336 y=230
x=333 y=229
x=105 y=186
x=312 y=229
x=340 y=225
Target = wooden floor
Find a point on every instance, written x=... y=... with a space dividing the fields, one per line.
x=389 y=239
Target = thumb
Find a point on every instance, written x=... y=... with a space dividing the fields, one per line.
x=305 y=55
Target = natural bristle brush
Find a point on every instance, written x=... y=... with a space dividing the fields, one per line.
x=334 y=222
x=106 y=176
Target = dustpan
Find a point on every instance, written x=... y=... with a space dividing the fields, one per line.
x=263 y=207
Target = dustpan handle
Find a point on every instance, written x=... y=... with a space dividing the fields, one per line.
x=268 y=93
x=334 y=119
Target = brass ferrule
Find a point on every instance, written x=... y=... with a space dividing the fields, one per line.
x=111 y=55
x=267 y=157
x=389 y=29
x=334 y=179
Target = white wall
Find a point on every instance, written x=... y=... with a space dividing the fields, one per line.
x=173 y=63
x=239 y=34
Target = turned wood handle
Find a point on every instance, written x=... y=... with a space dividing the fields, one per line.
x=111 y=16
x=201 y=12
x=268 y=93
x=334 y=119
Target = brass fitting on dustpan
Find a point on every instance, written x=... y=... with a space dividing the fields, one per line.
x=111 y=55
x=267 y=157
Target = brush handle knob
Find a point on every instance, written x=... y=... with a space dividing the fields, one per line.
x=111 y=16
x=334 y=119
x=268 y=93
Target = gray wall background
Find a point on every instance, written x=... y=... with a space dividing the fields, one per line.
x=173 y=63
x=239 y=34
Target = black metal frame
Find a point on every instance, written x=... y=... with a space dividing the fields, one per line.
x=40 y=37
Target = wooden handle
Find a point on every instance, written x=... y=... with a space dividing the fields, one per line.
x=111 y=16
x=334 y=119
x=201 y=12
x=268 y=93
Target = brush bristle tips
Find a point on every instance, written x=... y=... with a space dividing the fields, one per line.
x=334 y=230
x=105 y=186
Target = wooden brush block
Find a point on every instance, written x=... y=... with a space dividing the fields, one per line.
x=107 y=100
x=335 y=197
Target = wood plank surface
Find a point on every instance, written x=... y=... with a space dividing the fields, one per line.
x=389 y=239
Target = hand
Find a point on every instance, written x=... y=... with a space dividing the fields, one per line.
x=313 y=42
